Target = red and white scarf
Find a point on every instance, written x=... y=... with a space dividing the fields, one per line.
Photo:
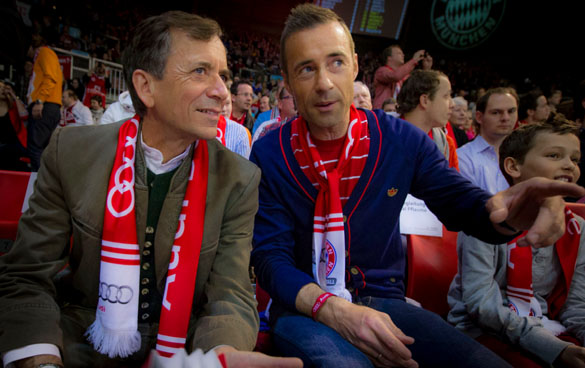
x=519 y=272
x=335 y=187
x=221 y=125
x=114 y=331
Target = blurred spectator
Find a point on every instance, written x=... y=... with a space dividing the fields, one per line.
x=44 y=98
x=425 y=102
x=496 y=115
x=264 y=104
x=74 y=112
x=361 y=95
x=389 y=105
x=390 y=76
x=458 y=121
x=96 y=84
x=242 y=95
x=76 y=85
x=286 y=109
x=533 y=108
x=555 y=99
x=119 y=110
x=13 y=115
x=97 y=111
x=23 y=80
x=65 y=40
x=234 y=136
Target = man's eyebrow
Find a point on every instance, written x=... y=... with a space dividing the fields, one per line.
x=336 y=53
x=224 y=72
x=308 y=61
x=204 y=64
x=302 y=63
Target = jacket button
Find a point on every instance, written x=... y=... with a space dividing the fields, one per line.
x=150 y=230
x=354 y=271
x=392 y=279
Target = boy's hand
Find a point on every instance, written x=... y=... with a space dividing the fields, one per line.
x=535 y=205
x=572 y=356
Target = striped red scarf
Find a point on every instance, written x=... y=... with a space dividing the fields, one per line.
x=114 y=331
x=519 y=273
x=335 y=181
x=221 y=124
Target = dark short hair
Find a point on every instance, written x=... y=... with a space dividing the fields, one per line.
x=528 y=101
x=96 y=98
x=388 y=52
x=306 y=16
x=388 y=101
x=150 y=47
x=235 y=85
x=483 y=101
x=521 y=140
x=71 y=93
x=421 y=82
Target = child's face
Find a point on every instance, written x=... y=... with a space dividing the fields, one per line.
x=553 y=156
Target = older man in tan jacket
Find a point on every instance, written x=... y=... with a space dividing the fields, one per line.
x=161 y=219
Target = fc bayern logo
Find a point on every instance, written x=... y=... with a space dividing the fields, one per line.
x=330 y=257
x=463 y=24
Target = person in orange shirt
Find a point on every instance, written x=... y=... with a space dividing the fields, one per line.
x=425 y=102
x=44 y=98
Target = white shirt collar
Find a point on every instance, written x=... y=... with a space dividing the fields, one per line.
x=154 y=158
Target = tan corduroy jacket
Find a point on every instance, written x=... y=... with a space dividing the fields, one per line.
x=69 y=199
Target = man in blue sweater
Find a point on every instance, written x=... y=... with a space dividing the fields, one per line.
x=326 y=238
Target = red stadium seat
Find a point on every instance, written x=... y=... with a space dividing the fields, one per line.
x=432 y=263
x=264 y=341
x=13 y=186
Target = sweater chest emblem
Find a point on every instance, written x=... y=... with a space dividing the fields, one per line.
x=392 y=192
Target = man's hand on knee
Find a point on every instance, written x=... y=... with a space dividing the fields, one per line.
x=371 y=331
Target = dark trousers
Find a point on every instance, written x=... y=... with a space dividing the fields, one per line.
x=40 y=130
x=437 y=344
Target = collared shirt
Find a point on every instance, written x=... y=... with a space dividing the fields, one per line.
x=478 y=162
x=237 y=138
x=154 y=159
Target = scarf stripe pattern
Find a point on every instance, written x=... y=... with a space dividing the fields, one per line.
x=519 y=272
x=221 y=125
x=115 y=330
x=335 y=181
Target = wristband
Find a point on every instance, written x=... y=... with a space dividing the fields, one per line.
x=319 y=303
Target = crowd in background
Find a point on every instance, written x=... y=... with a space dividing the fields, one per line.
x=254 y=57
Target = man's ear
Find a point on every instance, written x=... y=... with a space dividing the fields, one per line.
x=479 y=117
x=144 y=86
x=285 y=80
x=512 y=167
x=424 y=100
x=356 y=66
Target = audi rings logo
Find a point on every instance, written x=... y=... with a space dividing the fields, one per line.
x=123 y=186
x=463 y=24
x=115 y=294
